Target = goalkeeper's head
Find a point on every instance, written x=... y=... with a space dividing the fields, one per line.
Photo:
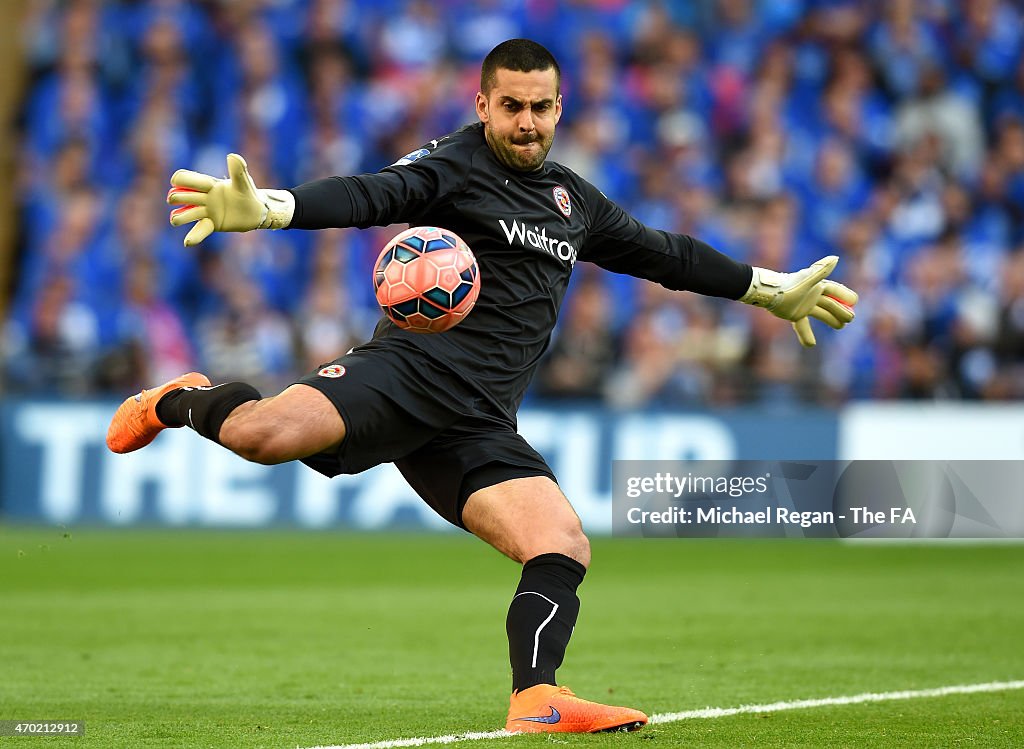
x=519 y=102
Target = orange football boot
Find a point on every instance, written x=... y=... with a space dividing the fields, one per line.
x=135 y=423
x=545 y=708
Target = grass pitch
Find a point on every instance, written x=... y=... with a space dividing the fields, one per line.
x=278 y=639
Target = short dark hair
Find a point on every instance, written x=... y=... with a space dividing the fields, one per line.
x=523 y=55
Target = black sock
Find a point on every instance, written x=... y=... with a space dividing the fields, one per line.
x=204 y=409
x=541 y=618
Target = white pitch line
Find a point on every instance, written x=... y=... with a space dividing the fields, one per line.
x=717 y=712
x=856 y=699
x=423 y=740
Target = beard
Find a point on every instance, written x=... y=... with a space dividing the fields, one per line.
x=522 y=153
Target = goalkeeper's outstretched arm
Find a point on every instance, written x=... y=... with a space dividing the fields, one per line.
x=397 y=194
x=622 y=244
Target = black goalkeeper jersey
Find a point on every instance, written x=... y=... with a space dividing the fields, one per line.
x=527 y=230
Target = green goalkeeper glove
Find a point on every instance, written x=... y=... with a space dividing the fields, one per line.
x=799 y=296
x=233 y=204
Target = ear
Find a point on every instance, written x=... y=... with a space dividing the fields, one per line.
x=558 y=108
x=481 y=107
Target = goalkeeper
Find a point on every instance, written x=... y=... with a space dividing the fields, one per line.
x=451 y=428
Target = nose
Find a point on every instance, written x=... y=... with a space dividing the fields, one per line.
x=526 y=121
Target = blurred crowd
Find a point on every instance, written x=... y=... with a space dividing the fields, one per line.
x=890 y=133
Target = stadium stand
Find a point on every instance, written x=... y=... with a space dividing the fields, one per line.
x=890 y=133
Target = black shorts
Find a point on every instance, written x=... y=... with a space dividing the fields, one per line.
x=401 y=407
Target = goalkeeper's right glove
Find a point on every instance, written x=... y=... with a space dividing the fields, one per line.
x=233 y=204
x=799 y=296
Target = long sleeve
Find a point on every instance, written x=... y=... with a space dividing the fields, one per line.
x=397 y=194
x=620 y=243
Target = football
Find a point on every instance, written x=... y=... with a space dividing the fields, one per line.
x=426 y=279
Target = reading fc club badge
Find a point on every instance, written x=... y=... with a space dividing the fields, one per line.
x=334 y=370
x=562 y=199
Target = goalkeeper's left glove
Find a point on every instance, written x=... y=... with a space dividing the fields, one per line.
x=799 y=296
